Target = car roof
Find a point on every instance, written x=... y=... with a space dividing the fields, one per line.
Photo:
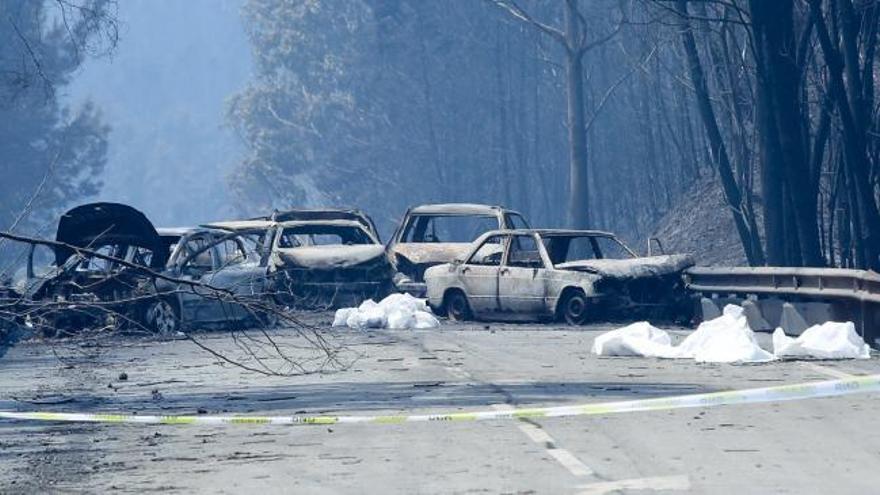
x=238 y=225
x=335 y=223
x=458 y=209
x=318 y=214
x=177 y=231
x=553 y=232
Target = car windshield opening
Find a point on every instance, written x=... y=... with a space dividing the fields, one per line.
x=323 y=235
x=448 y=228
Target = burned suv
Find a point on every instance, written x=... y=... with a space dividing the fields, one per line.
x=433 y=234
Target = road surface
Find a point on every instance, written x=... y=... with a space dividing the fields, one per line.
x=815 y=446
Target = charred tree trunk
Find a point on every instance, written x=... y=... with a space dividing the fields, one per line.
x=866 y=219
x=782 y=137
x=578 y=204
x=750 y=240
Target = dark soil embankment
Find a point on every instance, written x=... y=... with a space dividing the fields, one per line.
x=701 y=224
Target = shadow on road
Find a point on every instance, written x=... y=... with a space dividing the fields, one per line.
x=353 y=397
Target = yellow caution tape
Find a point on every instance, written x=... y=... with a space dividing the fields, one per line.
x=831 y=388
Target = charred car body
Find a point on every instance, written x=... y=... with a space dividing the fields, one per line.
x=111 y=267
x=570 y=275
x=214 y=278
x=430 y=235
x=74 y=290
x=324 y=214
x=317 y=263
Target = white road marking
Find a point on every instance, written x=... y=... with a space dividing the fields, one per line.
x=825 y=370
x=565 y=458
x=570 y=462
x=678 y=482
x=536 y=434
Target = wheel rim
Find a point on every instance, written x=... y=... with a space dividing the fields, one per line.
x=575 y=309
x=164 y=318
x=457 y=307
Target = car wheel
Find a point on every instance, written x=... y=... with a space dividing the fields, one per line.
x=163 y=317
x=269 y=317
x=575 y=308
x=457 y=307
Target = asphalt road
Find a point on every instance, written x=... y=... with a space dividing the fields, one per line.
x=816 y=446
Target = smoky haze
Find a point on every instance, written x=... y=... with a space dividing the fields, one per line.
x=163 y=93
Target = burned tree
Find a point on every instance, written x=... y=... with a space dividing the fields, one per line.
x=576 y=41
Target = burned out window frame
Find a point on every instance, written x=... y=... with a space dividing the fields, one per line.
x=539 y=244
x=409 y=225
x=505 y=241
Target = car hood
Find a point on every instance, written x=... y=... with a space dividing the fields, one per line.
x=432 y=252
x=107 y=223
x=331 y=257
x=651 y=266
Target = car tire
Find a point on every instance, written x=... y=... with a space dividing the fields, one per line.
x=163 y=317
x=575 y=308
x=457 y=306
x=269 y=317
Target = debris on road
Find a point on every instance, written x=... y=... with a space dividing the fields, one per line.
x=830 y=340
x=397 y=311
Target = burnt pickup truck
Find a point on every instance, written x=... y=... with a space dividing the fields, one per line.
x=570 y=275
x=430 y=235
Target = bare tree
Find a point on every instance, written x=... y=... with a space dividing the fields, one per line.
x=575 y=40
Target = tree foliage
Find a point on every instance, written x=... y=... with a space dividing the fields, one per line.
x=51 y=155
x=386 y=103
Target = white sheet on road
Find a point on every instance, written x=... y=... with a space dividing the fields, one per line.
x=397 y=311
x=638 y=339
x=830 y=340
x=729 y=339
x=726 y=339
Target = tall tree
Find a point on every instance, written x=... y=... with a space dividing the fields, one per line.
x=576 y=40
x=50 y=155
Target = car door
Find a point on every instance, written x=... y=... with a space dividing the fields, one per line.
x=195 y=263
x=522 y=283
x=235 y=275
x=479 y=276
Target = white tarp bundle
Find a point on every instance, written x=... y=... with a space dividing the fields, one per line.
x=726 y=339
x=397 y=311
x=830 y=340
x=638 y=339
x=729 y=339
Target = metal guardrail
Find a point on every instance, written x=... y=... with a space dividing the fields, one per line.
x=806 y=283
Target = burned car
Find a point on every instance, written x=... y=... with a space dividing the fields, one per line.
x=323 y=214
x=213 y=278
x=74 y=290
x=321 y=263
x=569 y=275
x=110 y=267
x=433 y=234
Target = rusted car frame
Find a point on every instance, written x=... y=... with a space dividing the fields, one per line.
x=537 y=275
x=321 y=263
x=418 y=245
